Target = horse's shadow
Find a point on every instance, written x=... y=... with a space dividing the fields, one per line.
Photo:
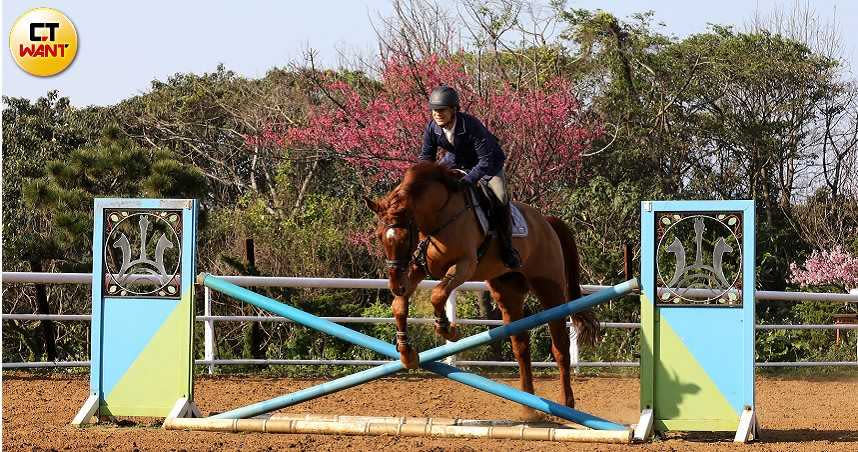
x=770 y=436
x=798 y=435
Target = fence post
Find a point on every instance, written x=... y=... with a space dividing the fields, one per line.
x=208 y=326
x=855 y=292
x=450 y=310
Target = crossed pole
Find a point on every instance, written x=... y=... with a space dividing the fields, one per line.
x=428 y=359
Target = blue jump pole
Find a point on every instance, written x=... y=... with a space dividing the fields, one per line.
x=427 y=358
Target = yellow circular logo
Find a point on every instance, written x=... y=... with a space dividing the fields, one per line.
x=43 y=42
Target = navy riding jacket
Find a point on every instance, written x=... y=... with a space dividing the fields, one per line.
x=476 y=150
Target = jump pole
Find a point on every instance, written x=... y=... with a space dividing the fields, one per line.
x=383 y=426
x=426 y=358
x=413 y=420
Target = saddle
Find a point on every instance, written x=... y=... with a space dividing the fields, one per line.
x=485 y=206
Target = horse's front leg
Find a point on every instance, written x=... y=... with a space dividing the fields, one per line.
x=457 y=274
x=407 y=353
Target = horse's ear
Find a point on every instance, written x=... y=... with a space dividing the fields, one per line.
x=372 y=205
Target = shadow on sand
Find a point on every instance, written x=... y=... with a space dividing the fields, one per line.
x=801 y=435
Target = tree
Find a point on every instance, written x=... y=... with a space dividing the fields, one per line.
x=206 y=119
x=33 y=133
x=542 y=130
x=717 y=115
x=116 y=168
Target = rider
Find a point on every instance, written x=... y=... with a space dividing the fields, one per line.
x=470 y=147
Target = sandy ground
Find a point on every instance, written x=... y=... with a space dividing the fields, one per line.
x=795 y=415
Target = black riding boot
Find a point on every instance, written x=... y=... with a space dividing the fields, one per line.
x=504 y=222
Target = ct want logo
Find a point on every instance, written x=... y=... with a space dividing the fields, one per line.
x=43 y=42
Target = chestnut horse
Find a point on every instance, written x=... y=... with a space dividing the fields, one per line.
x=429 y=207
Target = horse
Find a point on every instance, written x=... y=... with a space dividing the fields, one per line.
x=428 y=227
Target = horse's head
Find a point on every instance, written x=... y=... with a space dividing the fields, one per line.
x=397 y=232
x=425 y=185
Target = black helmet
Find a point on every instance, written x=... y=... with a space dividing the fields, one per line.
x=442 y=97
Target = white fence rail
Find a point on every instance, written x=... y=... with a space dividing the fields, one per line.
x=209 y=320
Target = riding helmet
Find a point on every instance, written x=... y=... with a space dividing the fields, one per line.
x=443 y=97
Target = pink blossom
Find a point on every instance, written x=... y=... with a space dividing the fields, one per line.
x=366 y=240
x=542 y=130
x=836 y=267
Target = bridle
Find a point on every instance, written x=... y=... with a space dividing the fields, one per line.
x=419 y=256
x=402 y=263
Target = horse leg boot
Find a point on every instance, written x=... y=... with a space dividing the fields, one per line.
x=456 y=275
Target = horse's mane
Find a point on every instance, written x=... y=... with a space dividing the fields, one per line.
x=415 y=182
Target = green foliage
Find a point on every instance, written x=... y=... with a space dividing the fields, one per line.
x=312 y=238
x=114 y=167
x=34 y=133
x=604 y=217
x=383 y=331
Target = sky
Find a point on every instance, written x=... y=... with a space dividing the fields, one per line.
x=123 y=46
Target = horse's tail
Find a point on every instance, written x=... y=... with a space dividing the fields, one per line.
x=585 y=321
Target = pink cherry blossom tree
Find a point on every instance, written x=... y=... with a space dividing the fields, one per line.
x=543 y=131
x=836 y=267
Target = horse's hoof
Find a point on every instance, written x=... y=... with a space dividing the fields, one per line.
x=451 y=333
x=528 y=414
x=409 y=358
